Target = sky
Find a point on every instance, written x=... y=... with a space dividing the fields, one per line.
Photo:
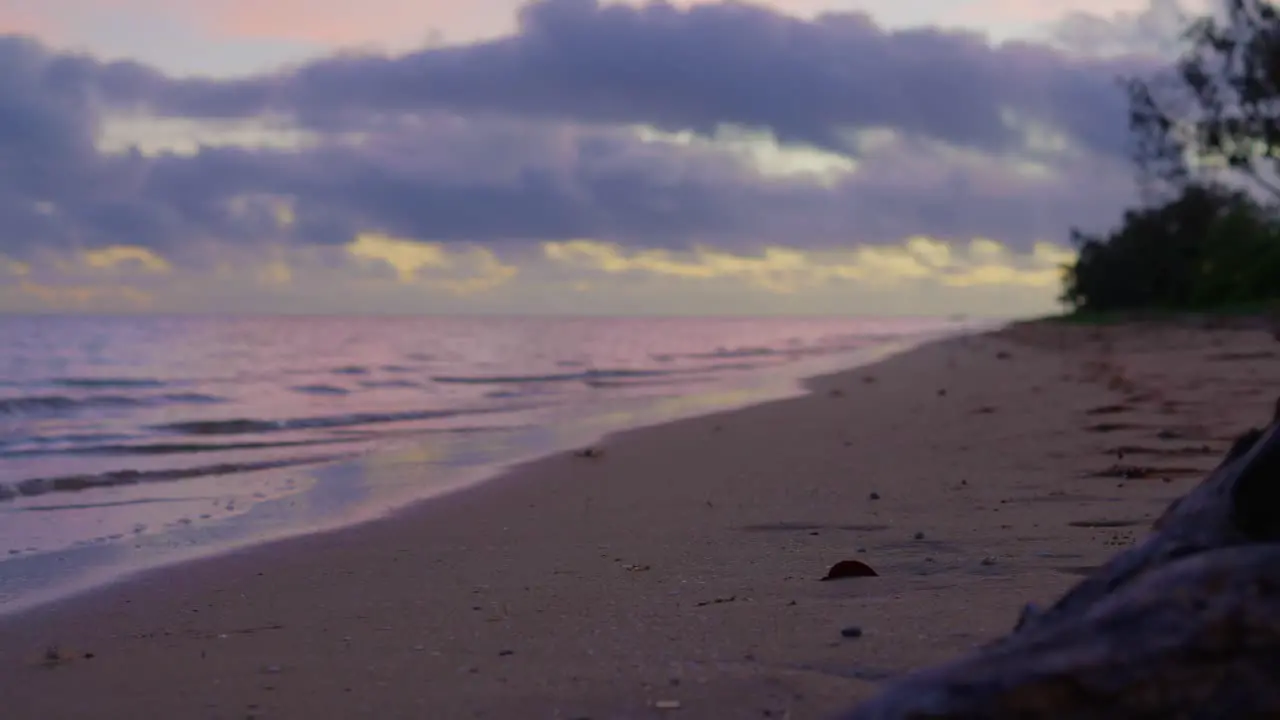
x=561 y=156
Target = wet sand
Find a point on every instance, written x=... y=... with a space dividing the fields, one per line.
x=674 y=571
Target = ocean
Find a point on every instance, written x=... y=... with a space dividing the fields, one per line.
x=132 y=442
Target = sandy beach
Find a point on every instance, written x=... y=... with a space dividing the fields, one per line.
x=674 y=572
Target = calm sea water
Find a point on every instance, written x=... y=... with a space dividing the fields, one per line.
x=127 y=442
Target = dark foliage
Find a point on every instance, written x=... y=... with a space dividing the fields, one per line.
x=1206 y=140
x=1207 y=248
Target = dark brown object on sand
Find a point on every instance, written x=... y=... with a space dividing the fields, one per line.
x=850 y=569
x=1185 y=624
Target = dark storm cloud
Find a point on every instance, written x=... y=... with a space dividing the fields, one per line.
x=485 y=142
x=462 y=184
x=695 y=69
x=46 y=139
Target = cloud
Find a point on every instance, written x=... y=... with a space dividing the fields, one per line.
x=453 y=180
x=1153 y=27
x=399 y=24
x=1046 y=11
x=71 y=298
x=114 y=257
x=790 y=270
x=384 y=274
x=10 y=269
x=657 y=131
x=438 y=174
x=805 y=80
x=462 y=271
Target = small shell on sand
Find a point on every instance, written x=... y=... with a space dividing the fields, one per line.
x=850 y=569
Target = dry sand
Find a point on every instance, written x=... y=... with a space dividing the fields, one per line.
x=681 y=566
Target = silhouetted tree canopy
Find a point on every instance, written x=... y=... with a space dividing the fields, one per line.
x=1206 y=142
x=1207 y=248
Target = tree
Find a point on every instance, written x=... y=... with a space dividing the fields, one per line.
x=1217 y=113
x=1206 y=140
x=1208 y=246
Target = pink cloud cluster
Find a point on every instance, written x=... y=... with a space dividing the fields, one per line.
x=22 y=21
x=343 y=23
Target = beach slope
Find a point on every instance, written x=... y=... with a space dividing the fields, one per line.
x=676 y=570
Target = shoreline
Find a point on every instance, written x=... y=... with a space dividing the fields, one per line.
x=345 y=472
x=681 y=565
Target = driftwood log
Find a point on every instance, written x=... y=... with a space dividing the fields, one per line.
x=1184 y=625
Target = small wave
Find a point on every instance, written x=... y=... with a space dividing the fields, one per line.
x=74 y=438
x=76 y=483
x=193 y=398
x=244 y=426
x=85 y=382
x=221 y=427
x=63 y=403
x=725 y=353
x=351 y=370
x=643 y=382
x=555 y=377
x=396 y=368
x=725 y=367
x=373 y=384
x=320 y=390
x=118 y=449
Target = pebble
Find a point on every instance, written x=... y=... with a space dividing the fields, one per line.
x=874 y=496
x=988 y=560
x=667 y=704
x=919 y=536
x=853 y=631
